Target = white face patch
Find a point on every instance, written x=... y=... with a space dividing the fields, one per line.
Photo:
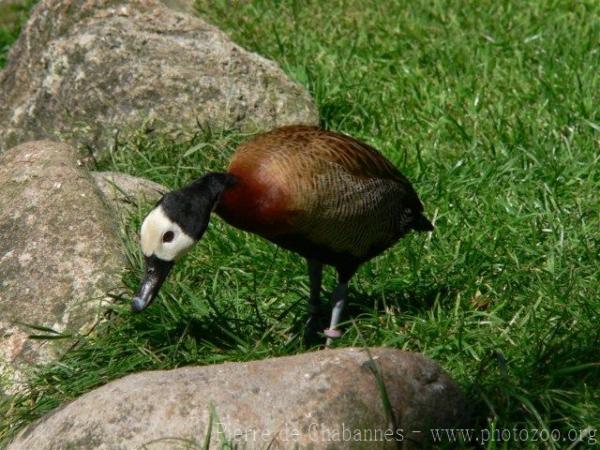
x=155 y=225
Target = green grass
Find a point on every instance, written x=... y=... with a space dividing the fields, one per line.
x=492 y=109
x=12 y=17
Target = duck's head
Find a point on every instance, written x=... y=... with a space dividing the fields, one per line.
x=175 y=224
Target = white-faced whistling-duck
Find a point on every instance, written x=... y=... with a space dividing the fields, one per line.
x=326 y=196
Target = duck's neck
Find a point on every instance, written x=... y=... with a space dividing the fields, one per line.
x=190 y=206
x=210 y=186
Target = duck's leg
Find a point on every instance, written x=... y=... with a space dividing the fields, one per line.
x=313 y=325
x=339 y=301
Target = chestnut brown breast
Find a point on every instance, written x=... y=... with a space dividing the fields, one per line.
x=320 y=188
x=259 y=201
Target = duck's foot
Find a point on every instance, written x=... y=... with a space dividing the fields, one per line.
x=331 y=333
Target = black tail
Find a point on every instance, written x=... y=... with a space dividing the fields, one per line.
x=421 y=223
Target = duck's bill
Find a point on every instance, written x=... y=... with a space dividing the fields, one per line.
x=154 y=276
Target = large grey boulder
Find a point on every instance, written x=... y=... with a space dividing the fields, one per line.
x=59 y=251
x=83 y=70
x=331 y=399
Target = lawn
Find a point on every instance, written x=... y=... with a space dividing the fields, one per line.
x=492 y=109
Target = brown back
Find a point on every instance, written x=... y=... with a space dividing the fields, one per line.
x=339 y=192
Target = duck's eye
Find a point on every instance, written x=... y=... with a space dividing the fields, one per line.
x=168 y=236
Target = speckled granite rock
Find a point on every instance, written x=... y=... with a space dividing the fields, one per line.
x=84 y=69
x=320 y=400
x=59 y=250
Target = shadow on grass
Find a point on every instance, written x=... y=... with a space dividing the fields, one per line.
x=414 y=301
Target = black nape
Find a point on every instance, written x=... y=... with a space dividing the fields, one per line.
x=190 y=206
